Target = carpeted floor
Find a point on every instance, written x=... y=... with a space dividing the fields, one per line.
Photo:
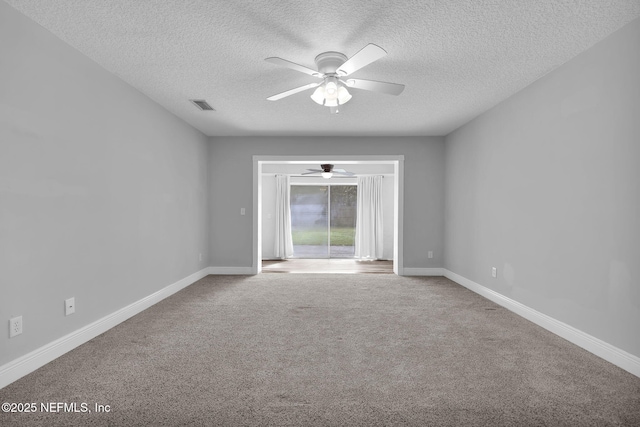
x=328 y=350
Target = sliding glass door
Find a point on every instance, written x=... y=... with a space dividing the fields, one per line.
x=310 y=221
x=323 y=220
x=343 y=200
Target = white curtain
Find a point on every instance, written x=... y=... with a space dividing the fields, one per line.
x=284 y=243
x=369 y=218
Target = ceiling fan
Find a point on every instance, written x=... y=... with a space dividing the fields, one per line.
x=333 y=67
x=327 y=171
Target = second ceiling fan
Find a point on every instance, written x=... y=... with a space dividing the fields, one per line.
x=328 y=171
x=333 y=68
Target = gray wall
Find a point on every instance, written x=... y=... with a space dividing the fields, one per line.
x=388 y=217
x=102 y=192
x=546 y=187
x=232 y=188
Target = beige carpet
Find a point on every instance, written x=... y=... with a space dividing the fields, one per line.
x=329 y=350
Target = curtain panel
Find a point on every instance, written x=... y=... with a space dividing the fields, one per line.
x=283 y=247
x=369 y=232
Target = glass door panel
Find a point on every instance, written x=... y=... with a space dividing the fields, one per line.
x=343 y=202
x=310 y=221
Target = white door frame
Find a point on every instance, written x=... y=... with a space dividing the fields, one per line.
x=398 y=209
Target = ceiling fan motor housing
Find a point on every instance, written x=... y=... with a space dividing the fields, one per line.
x=329 y=62
x=327 y=167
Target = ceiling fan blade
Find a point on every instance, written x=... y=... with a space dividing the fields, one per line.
x=294 y=66
x=342 y=171
x=310 y=173
x=292 y=91
x=384 y=87
x=363 y=57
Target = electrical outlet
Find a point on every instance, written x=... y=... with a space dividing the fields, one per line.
x=242 y=211
x=69 y=306
x=15 y=326
x=494 y=272
x=200 y=257
x=430 y=254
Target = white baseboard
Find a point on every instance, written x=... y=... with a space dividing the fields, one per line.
x=231 y=270
x=608 y=352
x=28 y=363
x=407 y=271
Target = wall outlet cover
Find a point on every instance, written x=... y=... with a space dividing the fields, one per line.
x=15 y=326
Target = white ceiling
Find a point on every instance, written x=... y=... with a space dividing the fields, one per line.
x=456 y=58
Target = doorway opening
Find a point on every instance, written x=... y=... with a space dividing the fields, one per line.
x=265 y=168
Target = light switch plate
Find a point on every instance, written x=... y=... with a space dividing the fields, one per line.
x=69 y=306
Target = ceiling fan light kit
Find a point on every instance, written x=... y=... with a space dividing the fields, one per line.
x=332 y=93
x=331 y=67
x=327 y=171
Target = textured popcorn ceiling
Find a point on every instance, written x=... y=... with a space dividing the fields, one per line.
x=456 y=58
